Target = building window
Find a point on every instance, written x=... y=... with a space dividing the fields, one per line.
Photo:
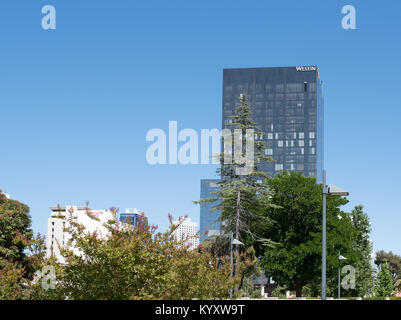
x=280 y=143
x=268 y=152
x=311 y=135
x=279 y=167
x=279 y=87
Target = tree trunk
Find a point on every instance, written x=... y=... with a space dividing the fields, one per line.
x=236 y=270
x=237 y=220
x=238 y=215
x=298 y=289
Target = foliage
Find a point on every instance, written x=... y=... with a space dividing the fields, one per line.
x=279 y=292
x=248 y=289
x=219 y=248
x=196 y=274
x=11 y=285
x=138 y=263
x=21 y=254
x=313 y=288
x=363 y=248
x=15 y=230
x=393 y=261
x=239 y=196
x=398 y=284
x=394 y=265
x=297 y=228
x=384 y=284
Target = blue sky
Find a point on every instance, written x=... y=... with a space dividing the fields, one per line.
x=76 y=102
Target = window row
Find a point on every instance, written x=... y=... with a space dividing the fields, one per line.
x=271 y=152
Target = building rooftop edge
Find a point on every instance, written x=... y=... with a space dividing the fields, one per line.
x=282 y=67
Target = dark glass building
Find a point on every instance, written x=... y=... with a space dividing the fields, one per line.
x=209 y=219
x=287 y=104
x=132 y=216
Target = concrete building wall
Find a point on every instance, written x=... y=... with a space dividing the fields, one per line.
x=188 y=229
x=59 y=220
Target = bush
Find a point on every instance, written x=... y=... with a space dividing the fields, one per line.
x=138 y=263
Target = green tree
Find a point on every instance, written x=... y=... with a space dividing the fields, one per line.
x=241 y=193
x=384 y=285
x=393 y=261
x=297 y=229
x=363 y=248
x=219 y=247
x=11 y=285
x=21 y=254
x=239 y=196
x=138 y=263
x=15 y=230
x=398 y=284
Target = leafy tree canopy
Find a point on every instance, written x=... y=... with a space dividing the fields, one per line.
x=393 y=261
x=384 y=285
x=297 y=229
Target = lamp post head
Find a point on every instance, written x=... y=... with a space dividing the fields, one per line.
x=340 y=257
x=337 y=191
x=237 y=242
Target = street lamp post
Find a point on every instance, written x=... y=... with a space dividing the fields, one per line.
x=232 y=243
x=231 y=261
x=335 y=191
x=340 y=257
x=324 y=238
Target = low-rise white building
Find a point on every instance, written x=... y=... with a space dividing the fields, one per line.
x=5 y=194
x=187 y=229
x=59 y=220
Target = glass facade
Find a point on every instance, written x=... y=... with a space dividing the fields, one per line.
x=132 y=218
x=209 y=219
x=287 y=104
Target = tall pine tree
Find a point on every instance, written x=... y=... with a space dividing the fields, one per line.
x=241 y=191
x=363 y=248
x=384 y=284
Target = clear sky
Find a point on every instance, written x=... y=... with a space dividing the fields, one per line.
x=76 y=102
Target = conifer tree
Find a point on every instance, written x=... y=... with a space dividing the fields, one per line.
x=384 y=285
x=363 y=247
x=241 y=192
